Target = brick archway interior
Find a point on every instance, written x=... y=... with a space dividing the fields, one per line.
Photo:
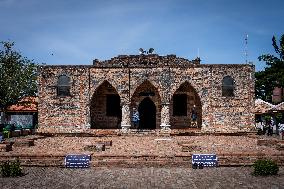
x=147 y=114
x=181 y=105
x=147 y=90
x=105 y=110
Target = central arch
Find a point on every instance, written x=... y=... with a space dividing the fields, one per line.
x=147 y=114
x=146 y=99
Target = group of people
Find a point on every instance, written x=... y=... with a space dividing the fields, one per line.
x=269 y=126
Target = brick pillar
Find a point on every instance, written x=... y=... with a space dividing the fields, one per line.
x=165 y=117
x=88 y=118
x=125 y=119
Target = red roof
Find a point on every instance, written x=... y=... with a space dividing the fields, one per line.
x=262 y=106
x=27 y=104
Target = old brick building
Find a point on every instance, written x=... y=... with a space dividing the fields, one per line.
x=164 y=89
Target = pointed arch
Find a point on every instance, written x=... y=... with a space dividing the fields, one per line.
x=145 y=82
x=185 y=101
x=175 y=87
x=105 y=110
x=147 y=86
x=103 y=82
x=147 y=90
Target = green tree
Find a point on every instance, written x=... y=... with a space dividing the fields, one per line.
x=273 y=75
x=17 y=76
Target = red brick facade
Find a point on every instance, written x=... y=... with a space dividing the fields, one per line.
x=149 y=83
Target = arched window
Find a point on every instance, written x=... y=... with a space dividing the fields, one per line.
x=63 y=86
x=227 y=86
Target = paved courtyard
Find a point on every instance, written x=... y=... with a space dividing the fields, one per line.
x=140 y=176
x=221 y=177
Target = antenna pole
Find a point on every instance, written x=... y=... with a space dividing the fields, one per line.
x=246 y=48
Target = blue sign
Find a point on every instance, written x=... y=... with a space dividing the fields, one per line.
x=207 y=160
x=77 y=161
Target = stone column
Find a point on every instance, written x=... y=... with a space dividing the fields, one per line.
x=165 y=117
x=88 y=118
x=125 y=119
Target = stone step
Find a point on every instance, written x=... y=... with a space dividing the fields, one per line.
x=5 y=147
x=143 y=160
x=280 y=146
x=138 y=163
x=44 y=162
x=141 y=132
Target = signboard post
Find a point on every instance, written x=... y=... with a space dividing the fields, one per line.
x=77 y=161
x=204 y=160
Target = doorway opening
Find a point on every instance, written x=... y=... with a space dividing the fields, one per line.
x=147 y=114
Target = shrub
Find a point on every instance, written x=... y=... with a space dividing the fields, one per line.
x=11 y=168
x=15 y=168
x=265 y=167
x=5 y=169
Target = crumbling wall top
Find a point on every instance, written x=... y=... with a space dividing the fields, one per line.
x=149 y=60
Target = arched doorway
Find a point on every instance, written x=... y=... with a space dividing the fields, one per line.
x=183 y=101
x=147 y=114
x=105 y=110
x=146 y=97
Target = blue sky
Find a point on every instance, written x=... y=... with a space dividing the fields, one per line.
x=78 y=31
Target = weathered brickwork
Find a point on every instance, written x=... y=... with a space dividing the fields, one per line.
x=60 y=113
x=98 y=108
x=148 y=83
x=183 y=122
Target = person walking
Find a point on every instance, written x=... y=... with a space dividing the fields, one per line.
x=135 y=118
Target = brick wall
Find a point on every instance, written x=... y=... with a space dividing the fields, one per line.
x=131 y=76
x=63 y=114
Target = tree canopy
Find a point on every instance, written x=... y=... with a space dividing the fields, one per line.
x=273 y=74
x=17 y=76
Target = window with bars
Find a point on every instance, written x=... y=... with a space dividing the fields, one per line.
x=63 y=86
x=228 y=86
